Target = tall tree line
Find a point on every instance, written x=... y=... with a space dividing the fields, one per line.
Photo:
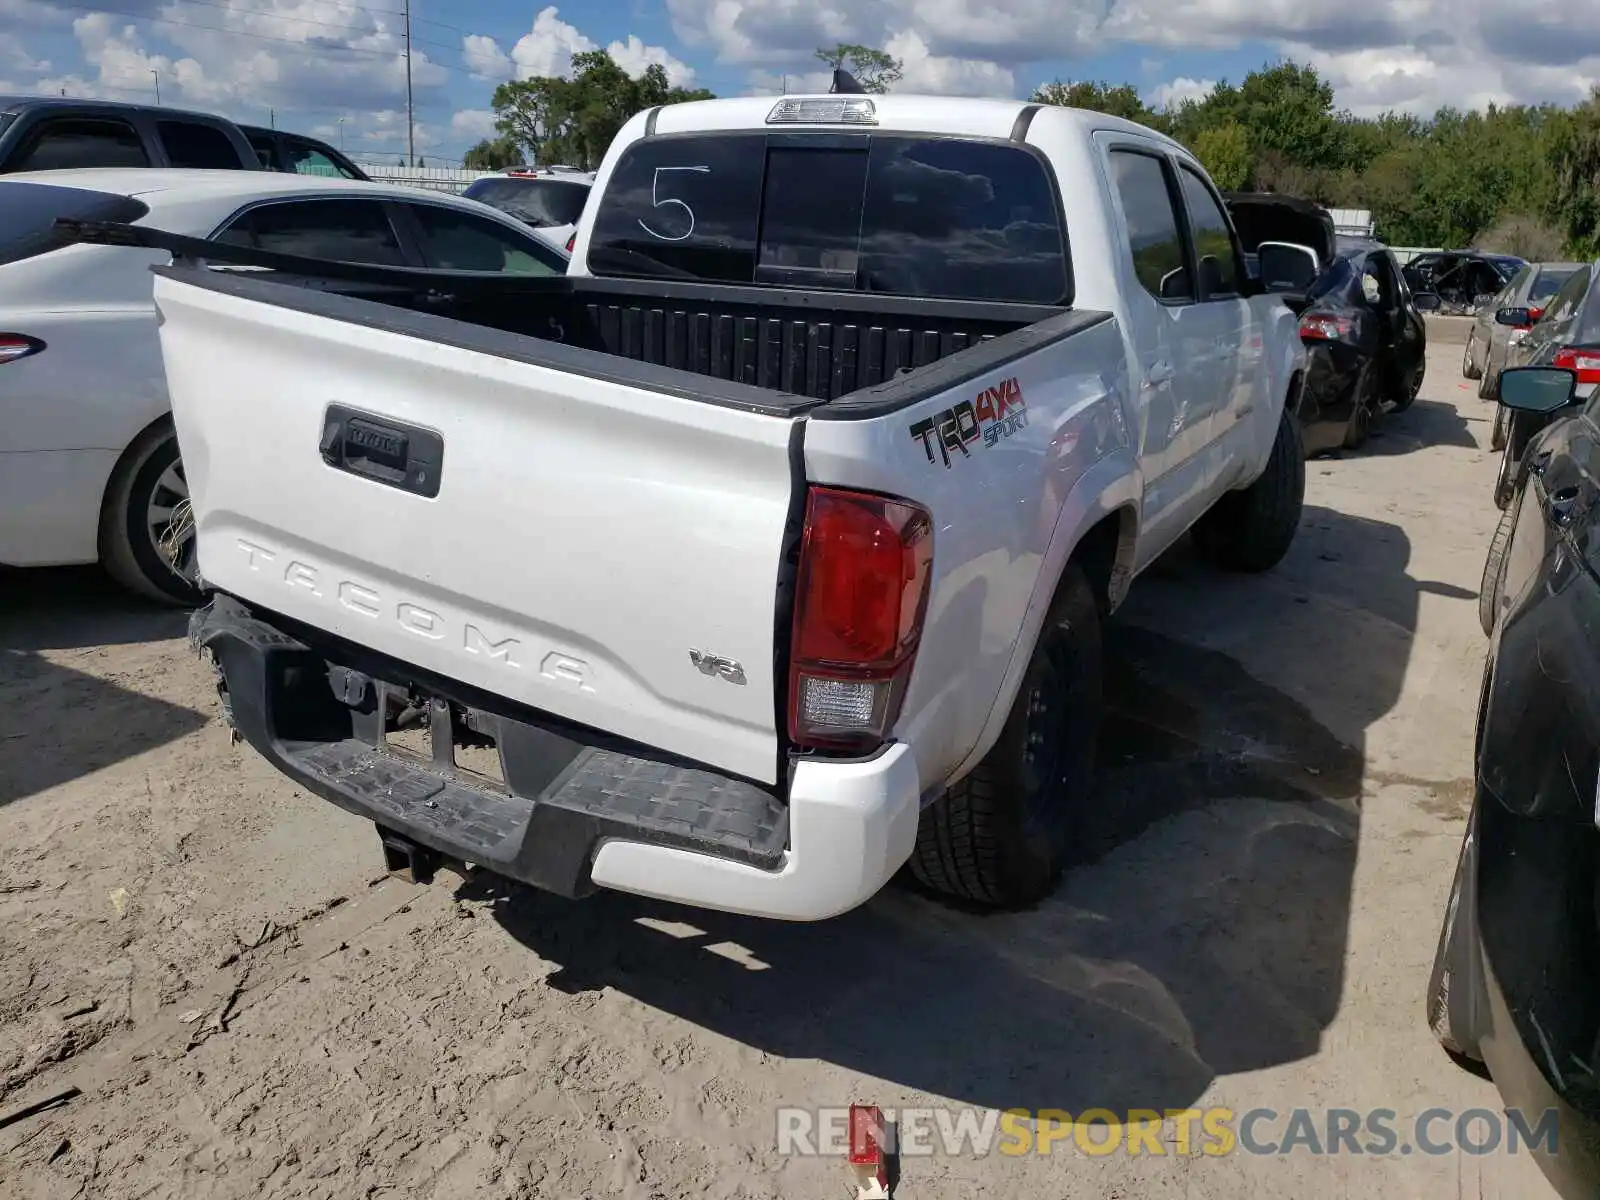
x=1524 y=179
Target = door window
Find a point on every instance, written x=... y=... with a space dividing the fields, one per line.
x=266 y=150
x=307 y=159
x=1153 y=234
x=68 y=142
x=204 y=147
x=339 y=230
x=457 y=241
x=1213 y=239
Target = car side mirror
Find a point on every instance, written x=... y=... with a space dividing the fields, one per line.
x=1515 y=317
x=1537 y=389
x=1287 y=266
x=1426 y=301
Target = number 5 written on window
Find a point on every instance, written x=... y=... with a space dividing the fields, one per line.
x=656 y=201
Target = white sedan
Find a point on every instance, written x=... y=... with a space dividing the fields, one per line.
x=89 y=465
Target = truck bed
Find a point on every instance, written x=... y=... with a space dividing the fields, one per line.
x=784 y=352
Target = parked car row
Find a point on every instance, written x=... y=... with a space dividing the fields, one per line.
x=1512 y=986
x=92 y=470
x=48 y=133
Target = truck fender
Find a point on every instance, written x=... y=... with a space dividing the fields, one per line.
x=1113 y=485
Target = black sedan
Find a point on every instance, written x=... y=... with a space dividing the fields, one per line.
x=1513 y=983
x=1366 y=344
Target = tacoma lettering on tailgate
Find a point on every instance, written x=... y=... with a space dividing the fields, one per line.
x=997 y=413
x=367 y=601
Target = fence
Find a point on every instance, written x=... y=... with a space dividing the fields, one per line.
x=439 y=179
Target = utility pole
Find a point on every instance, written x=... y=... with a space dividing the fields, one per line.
x=411 y=148
x=786 y=83
x=156 y=75
x=272 y=118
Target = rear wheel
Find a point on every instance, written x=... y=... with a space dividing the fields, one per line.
x=1252 y=529
x=1002 y=836
x=1452 y=986
x=1469 y=368
x=1494 y=571
x=146 y=528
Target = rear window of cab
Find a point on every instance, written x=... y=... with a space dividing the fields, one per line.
x=906 y=215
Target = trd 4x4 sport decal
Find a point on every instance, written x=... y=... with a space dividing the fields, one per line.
x=997 y=413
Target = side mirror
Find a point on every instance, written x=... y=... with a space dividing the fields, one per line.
x=1286 y=266
x=1537 y=389
x=1515 y=317
x=1427 y=301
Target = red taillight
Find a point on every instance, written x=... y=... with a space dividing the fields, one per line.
x=571 y=242
x=1585 y=362
x=14 y=346
x=862 y=588
x=1321 y=327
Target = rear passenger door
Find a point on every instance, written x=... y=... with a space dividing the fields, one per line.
x=1172 y=336
x=1224 y=325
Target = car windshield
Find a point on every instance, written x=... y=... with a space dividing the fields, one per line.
x=28 y=212
x=1548 y=282
x=542 y=203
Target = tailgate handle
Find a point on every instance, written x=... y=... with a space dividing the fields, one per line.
x=383 y=450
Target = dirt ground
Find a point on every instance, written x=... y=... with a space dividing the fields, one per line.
x=250 y=1009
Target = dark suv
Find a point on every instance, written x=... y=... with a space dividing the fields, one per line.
x=45 y=133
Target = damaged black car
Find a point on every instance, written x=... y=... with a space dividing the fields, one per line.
x=1361 y=323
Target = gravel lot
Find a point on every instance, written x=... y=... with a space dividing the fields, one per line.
x=249 y=1009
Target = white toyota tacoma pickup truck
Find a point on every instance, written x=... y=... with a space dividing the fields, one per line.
x=769 y=548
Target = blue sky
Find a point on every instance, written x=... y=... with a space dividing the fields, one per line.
x=335 y=68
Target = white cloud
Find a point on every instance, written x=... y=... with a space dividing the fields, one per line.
x=1175 y=92
x=14 y=56
x=484 y=58
x=1413 y=54
x=945 y=75
x=472 y=125
x=548 y=47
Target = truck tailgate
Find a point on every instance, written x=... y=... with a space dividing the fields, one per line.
x=594 y=549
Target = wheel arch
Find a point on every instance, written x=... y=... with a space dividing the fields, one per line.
x=1098 y=530
x=129 y=453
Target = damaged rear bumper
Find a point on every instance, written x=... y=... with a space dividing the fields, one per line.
x=572 y=810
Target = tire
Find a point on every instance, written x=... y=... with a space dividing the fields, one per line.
x=1488 y=384
x=1251 y=529
x=1001 y=837
x=147 y=479
x=1407 y=396
x=1364 y=414
x=1494 y=571
x=1506 y=481
x=1497 y=434
x=1470 y=369
x=1452 y=1002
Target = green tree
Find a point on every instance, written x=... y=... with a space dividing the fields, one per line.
x=572 y=121
x=1573 y=160
x=493 y=154
x=875 y=70
x=1115 y=100
x=1225 y=152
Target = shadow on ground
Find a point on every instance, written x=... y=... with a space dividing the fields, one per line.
x=1203 y=934
x=70 y=607
x=1425 y=423
x=57 y=723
